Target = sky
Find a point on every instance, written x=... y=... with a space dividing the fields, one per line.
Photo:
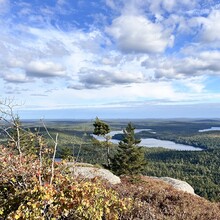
x=111 y=58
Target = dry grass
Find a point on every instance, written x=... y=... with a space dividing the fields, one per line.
x=156 y=200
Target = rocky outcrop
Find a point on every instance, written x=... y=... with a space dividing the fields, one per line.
x=178 y=184
x=89 y=171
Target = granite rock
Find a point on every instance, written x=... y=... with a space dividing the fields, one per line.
x=178 y=184
x=90 y=172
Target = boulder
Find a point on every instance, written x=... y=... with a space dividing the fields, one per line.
x=178 y=184
x=89 y=171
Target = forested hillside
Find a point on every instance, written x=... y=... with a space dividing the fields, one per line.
x=199 y=168
x=33 y=184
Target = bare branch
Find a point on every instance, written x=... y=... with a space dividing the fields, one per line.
x=6 y=109
x=40 y=157
x=55 y=141
x=53 y=160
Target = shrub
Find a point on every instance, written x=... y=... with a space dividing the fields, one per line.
x=23 y=197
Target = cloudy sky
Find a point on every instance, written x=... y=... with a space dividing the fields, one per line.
x=111 y=58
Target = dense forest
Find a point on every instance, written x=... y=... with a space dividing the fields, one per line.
x=38 y=182
x=199 y=168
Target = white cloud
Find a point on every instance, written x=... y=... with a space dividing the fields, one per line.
x=211 y=56
x=91 y=78
x=138 y=34
x=111 y=4
x=197 y=63
x=47 y=52
x=153 y=92
x=16 y=78
x=211 y=27
x=158 y=91
x=205 y=63
x=169 y=4
x=167 y=73
x=45 y=69
x=195 y=84
x=163 y=6
x=136 y=61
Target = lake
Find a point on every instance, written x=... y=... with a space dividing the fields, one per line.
x=210 y=129
x=152 y=142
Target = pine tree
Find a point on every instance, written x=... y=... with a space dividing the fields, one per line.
x=102 y=129
x=129 y=158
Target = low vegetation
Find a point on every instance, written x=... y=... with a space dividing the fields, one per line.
x=156 y=200
x=34 y=186
x=27 y=192
x=22 y=196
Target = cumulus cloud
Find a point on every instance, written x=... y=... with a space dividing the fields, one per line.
x=91 y=79
x=211 y=27
x=150 y=50
x=46 y=53
x=45 y=69
x=202 y=63
x=16 y=78
x=138 y=34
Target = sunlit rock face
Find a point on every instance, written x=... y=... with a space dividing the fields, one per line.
x=89 y=171
x=178 y=184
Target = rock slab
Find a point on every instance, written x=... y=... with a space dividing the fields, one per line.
x=178 y=184
x=91 y=172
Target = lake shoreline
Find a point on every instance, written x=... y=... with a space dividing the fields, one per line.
x=153 y=142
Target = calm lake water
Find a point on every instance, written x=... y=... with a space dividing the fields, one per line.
x=152 y=142
x=210 y=129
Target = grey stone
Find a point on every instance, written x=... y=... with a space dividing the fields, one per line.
x=90 y=172
x=178 y=184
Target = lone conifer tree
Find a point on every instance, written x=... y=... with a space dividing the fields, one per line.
x=102 y=129
x=129 y=158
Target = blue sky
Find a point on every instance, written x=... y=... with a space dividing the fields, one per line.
x=111 y=58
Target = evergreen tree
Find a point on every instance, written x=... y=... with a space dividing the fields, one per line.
x=129 y=158
x=102 y=129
